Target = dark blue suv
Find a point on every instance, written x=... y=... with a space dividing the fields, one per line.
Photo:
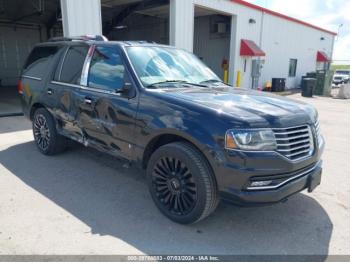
x=162 y=109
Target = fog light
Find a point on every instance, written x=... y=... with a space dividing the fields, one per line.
x=260 y=183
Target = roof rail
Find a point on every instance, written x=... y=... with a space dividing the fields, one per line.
x=79 y=38
x=140 y=42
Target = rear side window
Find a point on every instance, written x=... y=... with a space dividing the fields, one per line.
x=107 y=69
x=73 y=64
x=38 y=61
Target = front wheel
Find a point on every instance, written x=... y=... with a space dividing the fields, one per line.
x=181 y=183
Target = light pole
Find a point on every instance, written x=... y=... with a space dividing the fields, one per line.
x=340 y=26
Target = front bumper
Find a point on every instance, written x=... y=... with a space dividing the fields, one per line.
x=300 y=181
x=236 y=175
x=338 y=82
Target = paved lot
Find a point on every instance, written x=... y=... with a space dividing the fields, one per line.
x=9 y=100
x=84 y=202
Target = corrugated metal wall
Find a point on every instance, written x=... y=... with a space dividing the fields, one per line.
x=81 y=17
x=182 y=24
x=15 y=45
x=283 y=40
x=279 y=38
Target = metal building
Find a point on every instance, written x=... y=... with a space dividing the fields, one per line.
x=253 y=42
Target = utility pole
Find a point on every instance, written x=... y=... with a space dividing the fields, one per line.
x=340 y=26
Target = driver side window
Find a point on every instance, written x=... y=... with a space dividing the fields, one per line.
x=107 y=70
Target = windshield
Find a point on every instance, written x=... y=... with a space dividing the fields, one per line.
x=158 y=65
x=342 y=72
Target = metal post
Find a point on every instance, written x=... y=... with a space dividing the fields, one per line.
x=81 y=17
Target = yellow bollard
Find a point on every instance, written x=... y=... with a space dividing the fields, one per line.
x=239 y=77
x=225 y=66
x=226 y=76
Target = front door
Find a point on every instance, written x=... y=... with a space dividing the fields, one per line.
x=107 y=117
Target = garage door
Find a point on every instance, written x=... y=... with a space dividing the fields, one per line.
x=15 y=45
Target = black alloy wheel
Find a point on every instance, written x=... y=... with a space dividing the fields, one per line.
x=41 y=132
x=181 y=183
x=47 y=139
x=174 y=185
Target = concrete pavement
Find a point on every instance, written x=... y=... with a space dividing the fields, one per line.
x=85 y=202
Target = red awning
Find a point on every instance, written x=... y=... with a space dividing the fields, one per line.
x=322 y=57
x=249 y=48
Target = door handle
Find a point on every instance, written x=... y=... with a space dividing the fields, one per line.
x=88 y=101
x=49 y=91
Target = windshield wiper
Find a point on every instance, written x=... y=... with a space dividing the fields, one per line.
x=211 y=81
x=154 y=85
x=165 y=82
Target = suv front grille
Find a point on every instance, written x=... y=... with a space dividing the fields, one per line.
x=294 y=142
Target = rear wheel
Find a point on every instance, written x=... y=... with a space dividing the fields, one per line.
x=181 y=183
x=48 y=141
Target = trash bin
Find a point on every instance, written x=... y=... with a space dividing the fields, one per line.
x=278 y=85
x=308 y=86
x=324 y=82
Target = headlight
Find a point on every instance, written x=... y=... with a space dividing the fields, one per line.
x=251 y=140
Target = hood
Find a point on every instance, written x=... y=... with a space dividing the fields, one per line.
x=258 y=109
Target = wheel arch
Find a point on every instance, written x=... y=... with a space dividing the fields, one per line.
x=33 y=108
x=169 y=137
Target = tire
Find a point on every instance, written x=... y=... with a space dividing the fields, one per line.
x=181 y=183
x=47 y=140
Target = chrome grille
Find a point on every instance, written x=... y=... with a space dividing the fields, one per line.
x=318 y=133
x=294 y=142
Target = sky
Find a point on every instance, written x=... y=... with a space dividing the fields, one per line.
x=328 y=14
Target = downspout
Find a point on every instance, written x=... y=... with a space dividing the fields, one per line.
x=332 y=52
x=261 y=28
x=261 y=38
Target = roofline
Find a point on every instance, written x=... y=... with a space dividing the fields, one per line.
x=268 y=11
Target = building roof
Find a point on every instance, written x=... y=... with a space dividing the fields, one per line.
x=268 y=11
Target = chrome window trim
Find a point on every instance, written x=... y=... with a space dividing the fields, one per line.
x=32 y=77
x=102 y=91
x=86 y=68
x=286 y=181
x=86 y=88
x=64 y=84
x=63 y=59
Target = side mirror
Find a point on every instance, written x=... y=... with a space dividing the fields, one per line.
x=125 y=90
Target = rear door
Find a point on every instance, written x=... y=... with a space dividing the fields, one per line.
x=65 y=84
x=107 y=117
x=35 y=75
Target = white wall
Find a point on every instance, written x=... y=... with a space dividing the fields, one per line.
x=181 y=24
x=81 y=17
x=283 y=40
x=279 y=38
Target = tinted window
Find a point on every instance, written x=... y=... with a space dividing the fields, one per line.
x=38 y=61
x=293 y=67
x=106 y=69
x=73 y=64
